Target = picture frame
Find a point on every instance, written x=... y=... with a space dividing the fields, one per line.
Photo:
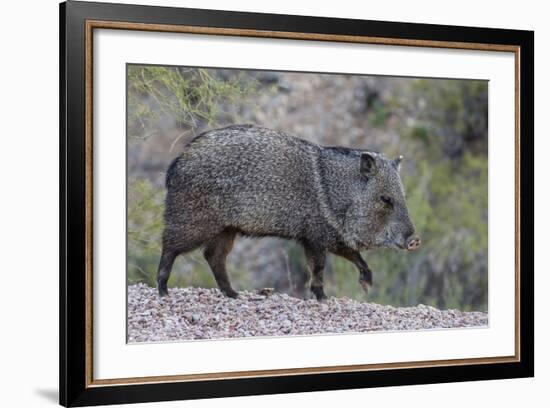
x=78 y=23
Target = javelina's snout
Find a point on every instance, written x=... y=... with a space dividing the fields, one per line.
x=413 y=242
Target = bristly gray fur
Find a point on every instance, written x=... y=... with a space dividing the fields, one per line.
x=249 y=180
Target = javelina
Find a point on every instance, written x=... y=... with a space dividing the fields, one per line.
x=258 y=182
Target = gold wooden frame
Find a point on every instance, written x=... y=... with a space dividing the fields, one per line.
x=99 y=24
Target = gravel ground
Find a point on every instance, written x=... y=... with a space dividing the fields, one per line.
x=196 y=313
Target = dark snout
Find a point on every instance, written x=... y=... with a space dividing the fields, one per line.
x=413 y=242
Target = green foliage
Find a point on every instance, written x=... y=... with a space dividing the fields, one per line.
x=144 y=230
x=187 y=95
x=455 y=112
x=380 y=114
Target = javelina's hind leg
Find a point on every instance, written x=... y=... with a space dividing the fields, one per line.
x=171 y=248
x=165 y=267
x=365 y=274
x=216 y=252
x=316 y=264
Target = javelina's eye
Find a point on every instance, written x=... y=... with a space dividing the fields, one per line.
x=386 y=200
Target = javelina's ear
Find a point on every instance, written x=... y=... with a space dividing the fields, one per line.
x=368 y=164
x=397 y=162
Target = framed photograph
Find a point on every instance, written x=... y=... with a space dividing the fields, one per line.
x=256 y=204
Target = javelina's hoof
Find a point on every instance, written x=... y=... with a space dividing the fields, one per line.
x=365 y=285
x=319 y=293
x=163 y=290
x=230 y=293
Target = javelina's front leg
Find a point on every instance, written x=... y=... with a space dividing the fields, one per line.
x=316 y=264
x=365 y=274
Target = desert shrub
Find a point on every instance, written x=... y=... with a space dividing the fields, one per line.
x=190 y=97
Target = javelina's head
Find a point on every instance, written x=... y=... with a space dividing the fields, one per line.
x=378 y=215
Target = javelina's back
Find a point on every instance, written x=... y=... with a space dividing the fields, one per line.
x=256 y=180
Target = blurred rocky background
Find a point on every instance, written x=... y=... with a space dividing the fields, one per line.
x=438 y=125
